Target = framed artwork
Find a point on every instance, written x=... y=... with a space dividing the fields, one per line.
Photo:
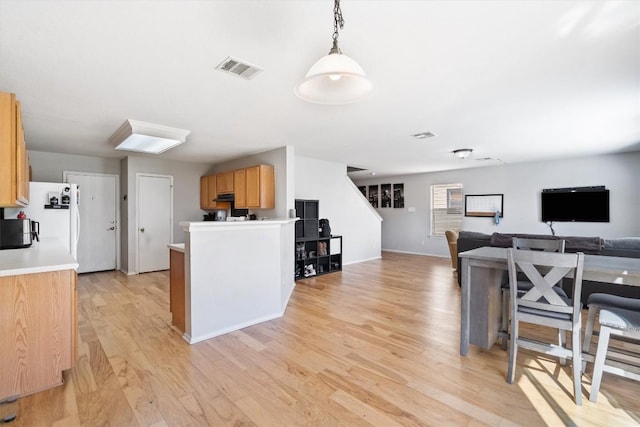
x=483 y=205
x=398 y=195
x=373 y=195
x=385 y=195
x=363 y=190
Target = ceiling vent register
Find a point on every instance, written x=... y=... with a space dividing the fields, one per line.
x=238 y=68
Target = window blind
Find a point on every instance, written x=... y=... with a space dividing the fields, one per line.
x=446 y=208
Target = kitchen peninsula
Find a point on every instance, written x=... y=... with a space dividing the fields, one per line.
x=236 y=274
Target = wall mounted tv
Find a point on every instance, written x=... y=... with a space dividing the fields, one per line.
x=579 y=204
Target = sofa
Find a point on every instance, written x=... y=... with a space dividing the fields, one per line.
x=628 y=247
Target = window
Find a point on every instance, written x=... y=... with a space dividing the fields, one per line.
x=446 y=208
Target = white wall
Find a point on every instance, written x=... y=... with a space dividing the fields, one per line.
x=280 y=159
x=340 y=201
x=521 y=185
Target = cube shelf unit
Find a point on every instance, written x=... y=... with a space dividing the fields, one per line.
x=310 y=246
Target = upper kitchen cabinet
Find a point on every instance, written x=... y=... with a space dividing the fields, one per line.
x=240 y=188
x=208 y=194
x=224 y=182
x=260 y=187
x=14 y=160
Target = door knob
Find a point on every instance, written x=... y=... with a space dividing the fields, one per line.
x=111 y=228
x=142 y=230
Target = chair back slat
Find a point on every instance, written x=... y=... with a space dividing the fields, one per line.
x=556 y=266
x=546 y=245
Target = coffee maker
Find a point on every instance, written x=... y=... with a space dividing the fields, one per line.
x=14 y=233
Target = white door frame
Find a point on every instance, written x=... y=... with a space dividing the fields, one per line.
x=117 y=177
x=137 y=235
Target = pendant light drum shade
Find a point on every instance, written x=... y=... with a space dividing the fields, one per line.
x=334 y=79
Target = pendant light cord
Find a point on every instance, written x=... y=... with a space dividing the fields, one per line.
x=338 y=21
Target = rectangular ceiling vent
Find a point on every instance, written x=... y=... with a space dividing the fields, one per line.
x=238 y=68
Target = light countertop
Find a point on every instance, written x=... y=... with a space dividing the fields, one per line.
x=44 y=256
x=176 y=247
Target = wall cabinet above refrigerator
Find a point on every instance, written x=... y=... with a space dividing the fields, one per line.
x=14 y=160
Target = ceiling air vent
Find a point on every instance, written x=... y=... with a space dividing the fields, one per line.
x=238 y=68
x=424 y=135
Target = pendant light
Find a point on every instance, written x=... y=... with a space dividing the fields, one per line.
x=335 y=78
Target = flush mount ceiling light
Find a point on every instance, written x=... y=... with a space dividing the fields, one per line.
x=335 y=78
x=147 y=137
x=462 y=152
x=424 y=135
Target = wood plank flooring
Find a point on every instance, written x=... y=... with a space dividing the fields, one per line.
x=374 y=345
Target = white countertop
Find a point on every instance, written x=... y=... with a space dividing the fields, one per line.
x=44 y=256
x=176 y=247
x=210 y=225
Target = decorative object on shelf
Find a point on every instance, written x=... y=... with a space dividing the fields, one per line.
x=462 y=153
x=484 y=205
x=335 y=78
x=398 y=195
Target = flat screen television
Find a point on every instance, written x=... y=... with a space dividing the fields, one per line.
x=581 y=204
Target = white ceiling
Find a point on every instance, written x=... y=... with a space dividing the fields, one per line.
x=514 y=80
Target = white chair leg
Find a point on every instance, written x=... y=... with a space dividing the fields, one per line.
x=505 y=318
x=588 y=332
x=562 y=342
x=513 y=350
x=577 y=364
x=598 y=365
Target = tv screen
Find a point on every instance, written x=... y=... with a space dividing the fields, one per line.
x=575 y=204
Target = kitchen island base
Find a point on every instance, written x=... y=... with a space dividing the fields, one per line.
x=236 y=274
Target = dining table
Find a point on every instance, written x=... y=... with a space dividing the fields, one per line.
x=482 y=271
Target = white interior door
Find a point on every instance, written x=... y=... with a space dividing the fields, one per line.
x=155 y=214
x=97 y=248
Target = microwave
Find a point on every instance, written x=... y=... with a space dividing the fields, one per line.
x=15 y=233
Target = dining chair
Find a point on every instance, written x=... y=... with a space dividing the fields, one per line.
x=452 y=242
x=546 y=245
x=618 y=316
x=542 y=305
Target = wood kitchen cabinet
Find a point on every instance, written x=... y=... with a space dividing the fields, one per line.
x=38 y=331
x=208 y=193
x=224 y=182
x=254 y=187
x=240 y=188
x=14 y=160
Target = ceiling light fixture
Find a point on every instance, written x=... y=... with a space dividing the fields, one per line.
x=335 y=78
x=147 y=137
x=462 y=152
x=424 y=135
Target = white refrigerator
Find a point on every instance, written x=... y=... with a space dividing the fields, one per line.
x=59 y=221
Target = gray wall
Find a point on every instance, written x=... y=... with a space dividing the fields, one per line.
x=48 y=167
x=521 y=185
x=186 y=198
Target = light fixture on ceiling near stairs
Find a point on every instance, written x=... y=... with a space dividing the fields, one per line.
x=146 y=137
x=335 y=78
x=462 y=152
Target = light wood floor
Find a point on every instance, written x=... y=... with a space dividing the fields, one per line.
x=375 y=344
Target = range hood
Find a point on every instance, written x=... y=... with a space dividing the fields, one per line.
x=224 y=197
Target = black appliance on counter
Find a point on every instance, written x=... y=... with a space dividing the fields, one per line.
x=15 y=233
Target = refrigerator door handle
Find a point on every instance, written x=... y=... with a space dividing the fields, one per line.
x=77 y=226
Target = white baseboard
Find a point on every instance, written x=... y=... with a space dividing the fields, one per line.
x=416 y=253
x=361 y=260
x=193 y=340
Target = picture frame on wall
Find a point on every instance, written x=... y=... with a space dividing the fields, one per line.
x=484 y=205
x=398 y=195
x=385 y=196
x=373 y=195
